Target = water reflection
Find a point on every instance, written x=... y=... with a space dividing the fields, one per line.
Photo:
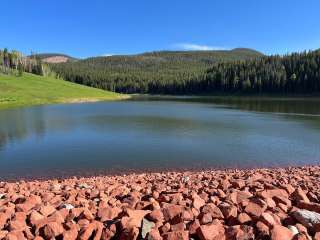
x=18 y=124
x=158 y=134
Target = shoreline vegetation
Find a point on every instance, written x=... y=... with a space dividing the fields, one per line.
x=30 y=89
x=277 y=203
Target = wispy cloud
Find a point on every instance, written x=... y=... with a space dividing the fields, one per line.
x=196 y=47
x=108 y=54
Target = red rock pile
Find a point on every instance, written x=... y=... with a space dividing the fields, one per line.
x=277 y=204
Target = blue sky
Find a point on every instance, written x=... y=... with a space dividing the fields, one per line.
x=85 y=28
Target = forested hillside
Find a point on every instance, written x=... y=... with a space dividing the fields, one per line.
x=154 y=72
x=295 y=73
x=236 y=71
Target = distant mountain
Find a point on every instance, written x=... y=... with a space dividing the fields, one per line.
x=152 y=70
x=55 y=57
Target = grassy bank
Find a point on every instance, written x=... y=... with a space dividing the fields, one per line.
x=31 y=89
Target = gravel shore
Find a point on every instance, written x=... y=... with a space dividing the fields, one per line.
x=277 y=204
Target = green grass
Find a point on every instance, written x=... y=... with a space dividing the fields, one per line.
x=31 y=89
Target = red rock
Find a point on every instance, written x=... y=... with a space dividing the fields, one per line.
x=38 y=238
x=229 y=211
x=289 y=188
x=15 y=235
x=279 y=232
x=30 y=203
x=300 y=236
x=56 y=217
x=71 y=234
x=238 y=196
x=283 y=207
x=17 y=225
x=299 y=195
x=283 y=200
x=225 y=184
x=234 y=232
x=244 y=218
x=238 y=184
x=198 y=202
x=270 y=203
x=165 y=228
x=263 y=229
x=86 y=213
x=47 y=210
x=312 y=197
x=187 y=215
x=270 y=193
x=211 y=232
x=317 y=236
x=131 y=234
x=213 y=210
x=3 y=233
x=76 y=212
x=52 y=230
x=268 y=219
x=156 y=216
x=132 y=222
x=302 y=229
x=20 y=216
x=206 y=218
x=254 y=209
x=154 y=235
x=176 y=235
x=309 y=206
x=194 y=226
x=221 y=193
x=89 y=231
x=3 y=219
x=99 y=230
x=178 y=227
x=136 y=216
x=108 y=213
x=171 y=211
x=248 y=232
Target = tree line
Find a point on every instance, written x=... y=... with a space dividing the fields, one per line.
x=154 y=72
x=14 y=62
x=165 y=73
x=296 y=73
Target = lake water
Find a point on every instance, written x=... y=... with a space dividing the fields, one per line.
x=158 y=134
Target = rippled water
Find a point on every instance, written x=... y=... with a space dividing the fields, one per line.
x=149 y=134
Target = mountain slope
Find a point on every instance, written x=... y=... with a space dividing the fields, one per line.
x=147 y=72
x=32 y=89
x=55 y=57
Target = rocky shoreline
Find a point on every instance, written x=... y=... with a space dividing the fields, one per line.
x=277 y=204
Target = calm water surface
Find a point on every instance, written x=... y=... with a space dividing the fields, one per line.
x=107 y=137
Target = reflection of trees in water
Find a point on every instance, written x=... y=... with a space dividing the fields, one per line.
x=278 y=106
x=289 y=108
x=258 y=104
x=307 y=111
x=17 y=124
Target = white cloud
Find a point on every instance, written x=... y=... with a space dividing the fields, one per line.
x=107 y=55
x=197 y=47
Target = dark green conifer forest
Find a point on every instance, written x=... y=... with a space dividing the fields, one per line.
x=211 y=72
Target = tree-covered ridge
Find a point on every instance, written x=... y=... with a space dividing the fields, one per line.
x=231 y=72
x=295 y=73
x=149 y=72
